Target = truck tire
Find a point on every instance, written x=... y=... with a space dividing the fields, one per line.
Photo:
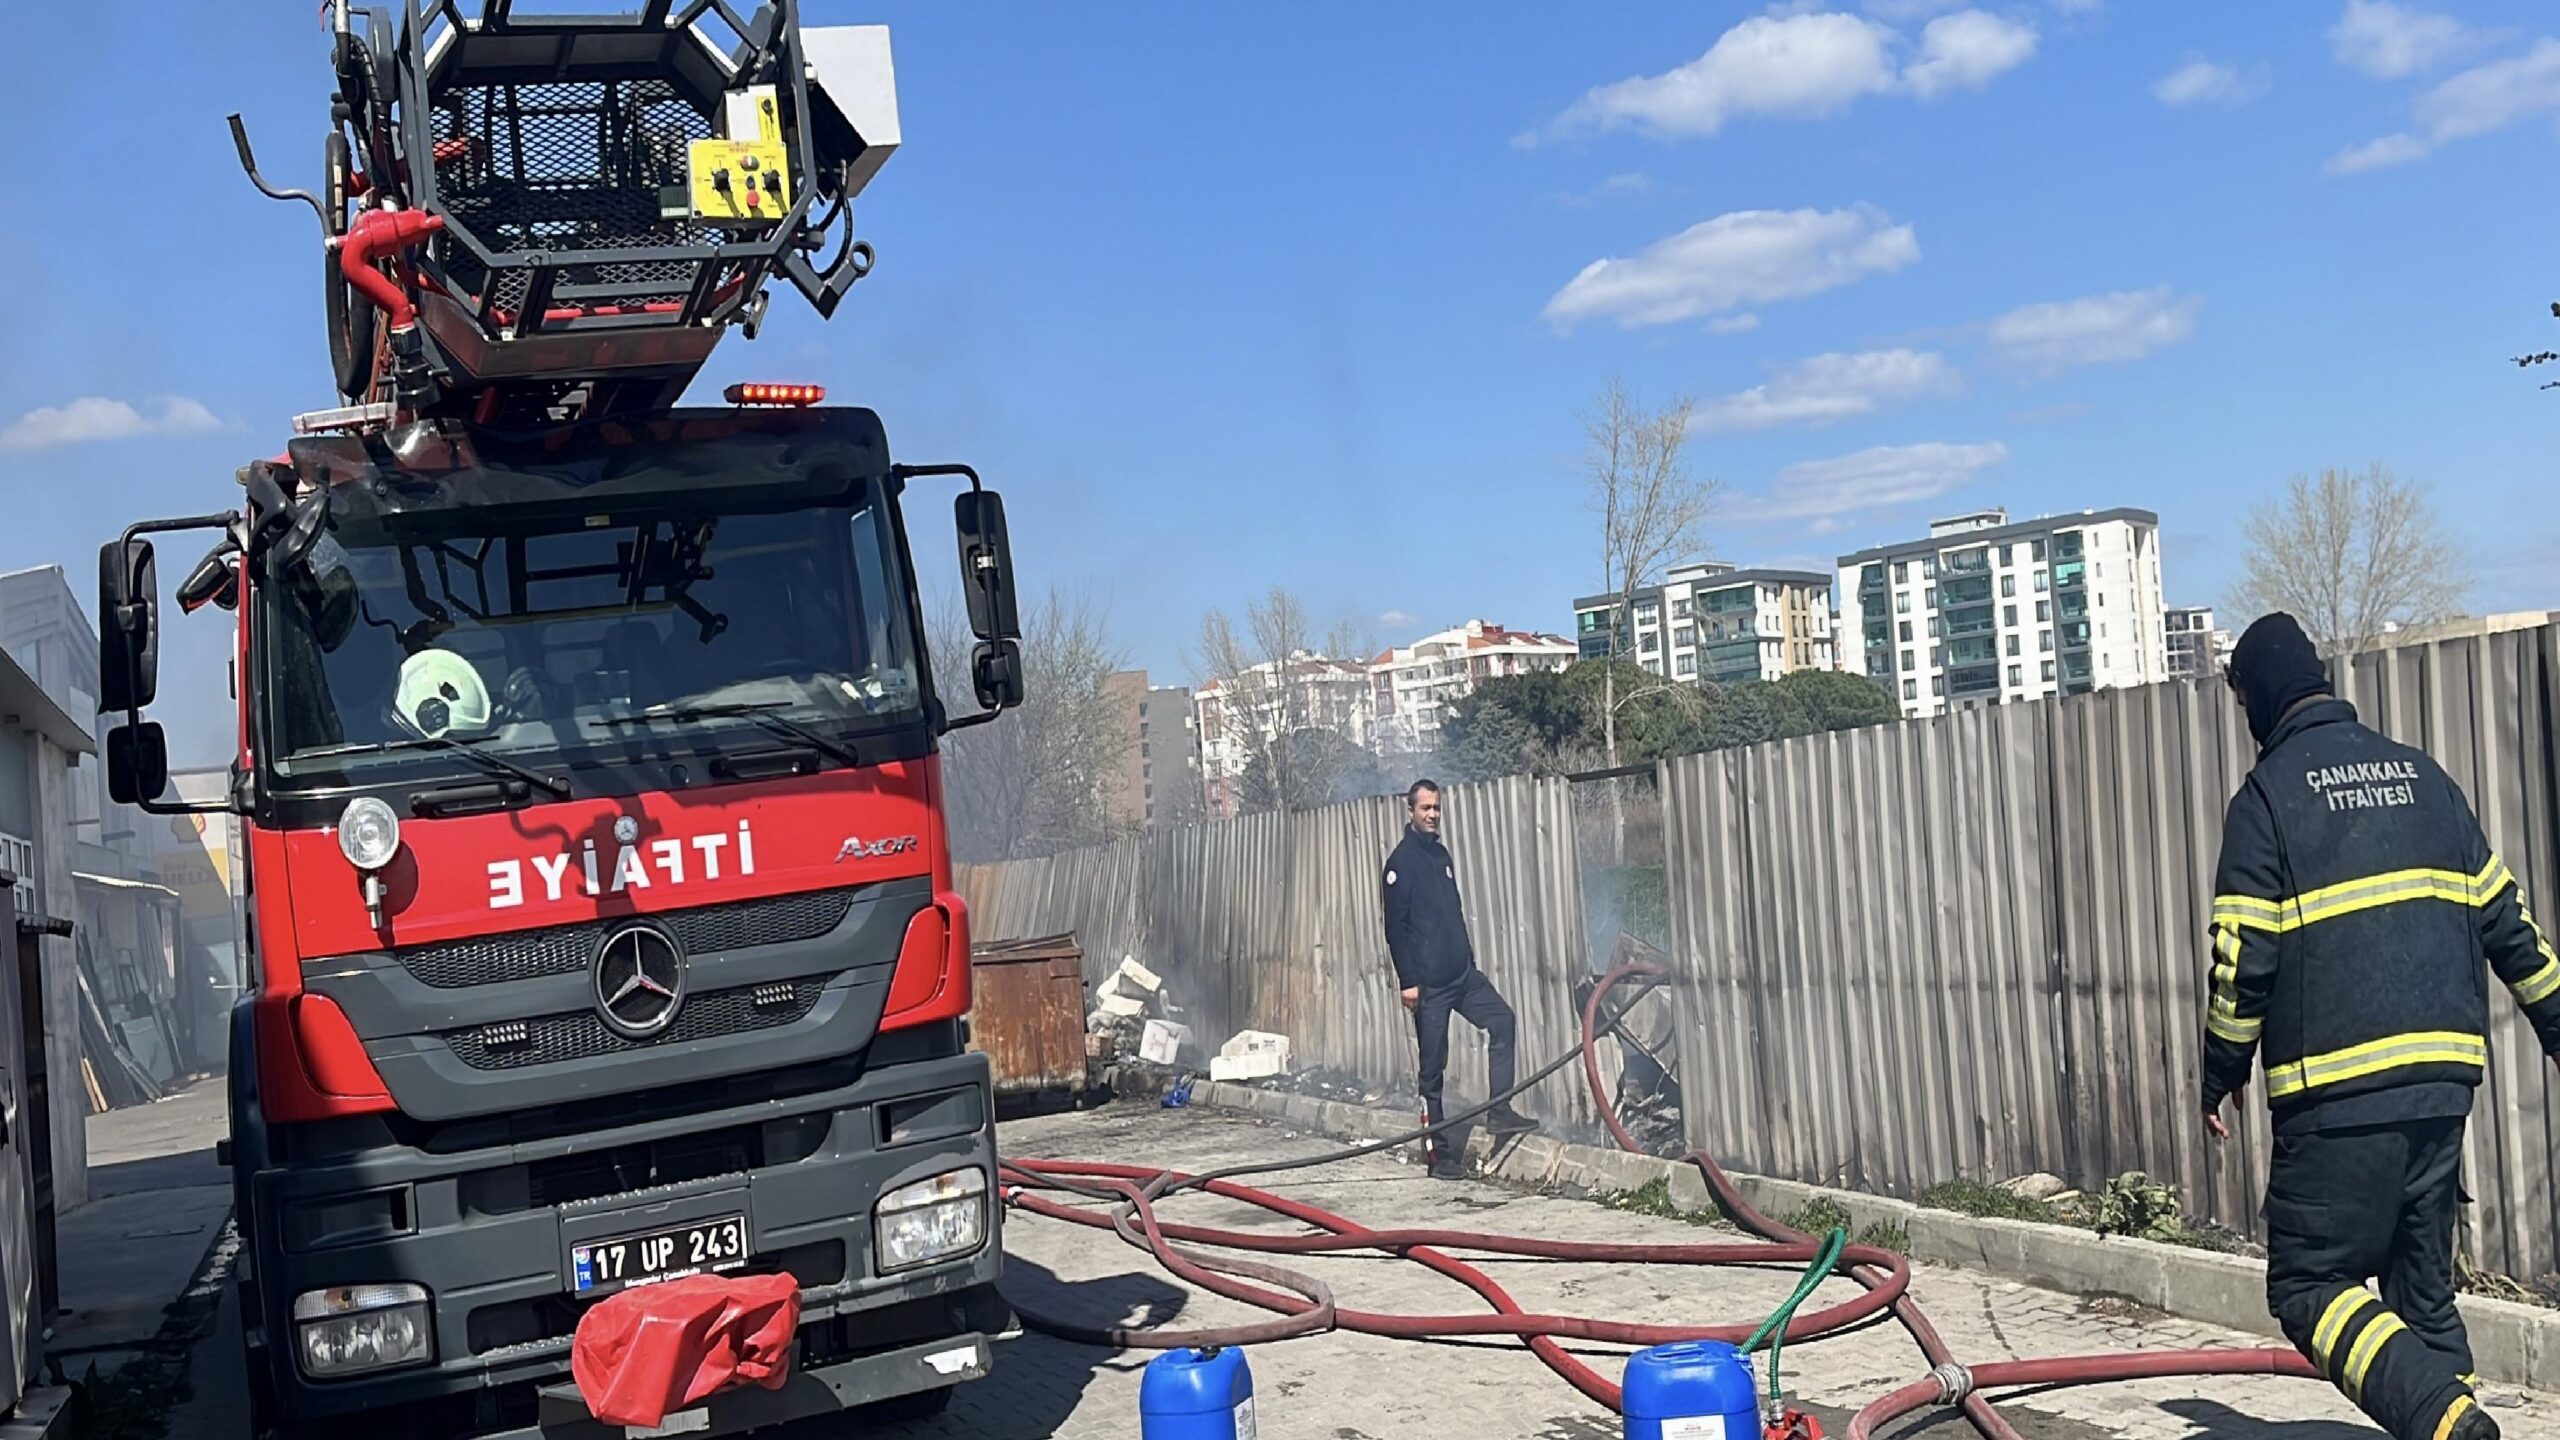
x=922 y=1405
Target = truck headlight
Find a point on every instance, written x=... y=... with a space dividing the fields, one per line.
x=931 y=1220
x=368 y=833
x=349 y=1329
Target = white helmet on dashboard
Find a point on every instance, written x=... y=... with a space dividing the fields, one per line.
x=440 y=692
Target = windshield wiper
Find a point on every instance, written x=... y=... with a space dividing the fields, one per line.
x=761 y=712
x=489 y=760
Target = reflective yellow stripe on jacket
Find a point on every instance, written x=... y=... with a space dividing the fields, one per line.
x=2392 y=1052
x=2247 y=912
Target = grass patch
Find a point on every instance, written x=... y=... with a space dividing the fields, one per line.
x=1987 y=1202
x=2470 y=1279
x=1653 y=1197
x=1884 y=1235
x=1820 y=1216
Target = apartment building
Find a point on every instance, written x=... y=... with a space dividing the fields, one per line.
x=1158 y=779
x=1236 y=713
x=1411 y=687
x=1708 y=621
x=1981 y=611
x=2197 y=651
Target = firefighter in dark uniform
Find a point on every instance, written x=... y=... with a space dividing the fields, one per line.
x=1436 y=968
x=2356 y=906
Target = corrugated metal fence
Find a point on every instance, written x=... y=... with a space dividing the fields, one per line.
x=1964 y=947
x=1974 y=946
x=1272 y=923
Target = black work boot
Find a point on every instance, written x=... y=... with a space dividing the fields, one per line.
x=1503 y=1120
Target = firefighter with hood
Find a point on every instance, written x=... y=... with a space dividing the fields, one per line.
x=2357 y=906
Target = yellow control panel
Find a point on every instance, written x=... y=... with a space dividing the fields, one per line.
x=745 y=177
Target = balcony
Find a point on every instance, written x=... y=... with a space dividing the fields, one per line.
x=1973 y=680
x=2075 y=634
x=2075 y=606
x=1965 y=562
x=1965 y=590
x=2066 y=546
x=1871 y=580
x=1973 y=652
x=2070 y=575
x=1973 y=620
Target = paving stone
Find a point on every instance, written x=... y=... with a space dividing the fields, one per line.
x=1344 y=1386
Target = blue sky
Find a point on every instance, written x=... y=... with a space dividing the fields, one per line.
x=1224 y=297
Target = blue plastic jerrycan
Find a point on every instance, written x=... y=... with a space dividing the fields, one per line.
x=1196 y=1395
x=1693 y=1390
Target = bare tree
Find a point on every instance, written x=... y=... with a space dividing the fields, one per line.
x=2349 y=555
x=1652 y=510
x=1036 y=780
x=1264 y=703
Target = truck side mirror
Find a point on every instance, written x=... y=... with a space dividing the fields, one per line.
x=128 y=625
x=137 y=763
x=986 y=574
x=996 y=668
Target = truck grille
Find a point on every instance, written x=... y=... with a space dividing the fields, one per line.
x=567 y=949
x=514 y=1044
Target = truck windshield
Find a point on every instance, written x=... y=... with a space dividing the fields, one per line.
x=584 y=640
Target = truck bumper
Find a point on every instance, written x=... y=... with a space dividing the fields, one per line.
x=489 y=1232
x=822 y=1391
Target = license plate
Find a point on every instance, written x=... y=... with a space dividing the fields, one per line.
x=705 y=1245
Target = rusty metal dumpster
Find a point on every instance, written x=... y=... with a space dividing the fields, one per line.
x=1027 y=1014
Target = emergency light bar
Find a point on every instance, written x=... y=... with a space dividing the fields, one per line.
x=760 y=394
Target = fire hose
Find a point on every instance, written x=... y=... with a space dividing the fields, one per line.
x=1303 y=1305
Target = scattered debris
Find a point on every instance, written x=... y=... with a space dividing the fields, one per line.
x=1162 y=1043
x=2039 y=1186
x=1251 y=1055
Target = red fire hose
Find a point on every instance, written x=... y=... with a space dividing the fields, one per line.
x=1309 y=1306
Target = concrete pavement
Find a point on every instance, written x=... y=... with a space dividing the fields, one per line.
x=1348 y=1387
x=157 y=1203
x=1343 y=1386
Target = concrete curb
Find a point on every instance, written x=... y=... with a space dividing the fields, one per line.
x=2512 y=1344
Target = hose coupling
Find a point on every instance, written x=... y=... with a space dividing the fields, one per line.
x=1955 y=1383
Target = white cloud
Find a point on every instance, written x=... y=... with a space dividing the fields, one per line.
x=1826 y=490
x=1801 y=65
x=1966 y=51
x=2493 y=96
x=2480 y=101
x=2094 y=330
x=1749 y=257
x=1832 y=387
x=1399 y=620
x=2377 y=154
x=1733 y=324
x=2394 y=41
x=2204 y=82
x=95 y=417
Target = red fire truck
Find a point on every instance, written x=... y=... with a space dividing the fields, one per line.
x=603 y=925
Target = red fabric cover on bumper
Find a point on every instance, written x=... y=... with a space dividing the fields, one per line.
x=646 y=1351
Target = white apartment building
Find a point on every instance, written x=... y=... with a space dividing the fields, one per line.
x=1411 y=687
x=1708 y=621
x=2197 y=651
x=1981 y=611
x=1235 y=712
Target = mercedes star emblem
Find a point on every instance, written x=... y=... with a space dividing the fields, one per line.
x=626 y=829
x=639 y=981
